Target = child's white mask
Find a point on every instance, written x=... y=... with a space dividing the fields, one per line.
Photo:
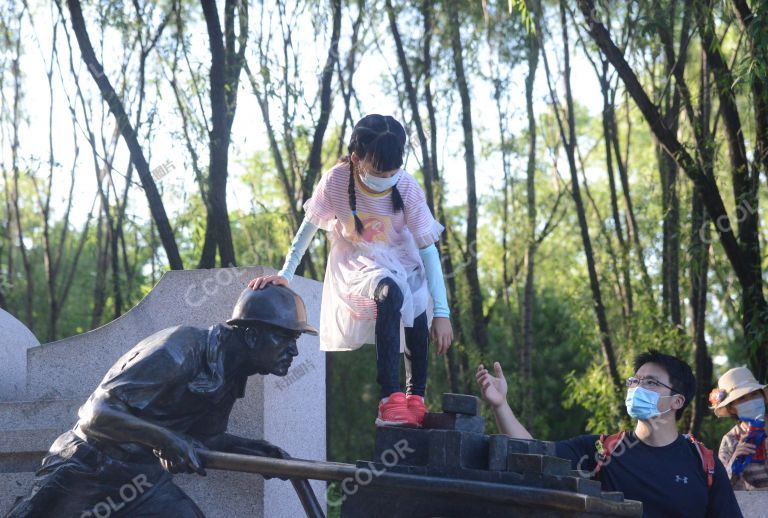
x=379 y=184
x=752 y=409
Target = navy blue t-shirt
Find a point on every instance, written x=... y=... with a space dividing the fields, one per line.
x=669 y=480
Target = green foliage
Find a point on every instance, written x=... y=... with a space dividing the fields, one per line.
x=570 y=392
x=558 y=349
x=353 y=394
x=76 y=309
x=594 y=392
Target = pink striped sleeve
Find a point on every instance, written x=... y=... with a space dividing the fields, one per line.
x=319 y=209
x=425 y=229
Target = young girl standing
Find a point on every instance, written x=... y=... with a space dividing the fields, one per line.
x=382 y=267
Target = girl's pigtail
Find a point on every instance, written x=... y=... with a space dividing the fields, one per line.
x=353 y=199
x=397 y=200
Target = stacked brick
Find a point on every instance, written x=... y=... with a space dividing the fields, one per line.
x=452 y=446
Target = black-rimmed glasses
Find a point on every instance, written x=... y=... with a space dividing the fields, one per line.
x=647 y=383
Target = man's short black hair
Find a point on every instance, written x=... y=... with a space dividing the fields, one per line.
x=680 y=374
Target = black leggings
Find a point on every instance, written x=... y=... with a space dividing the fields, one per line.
x=389 y=300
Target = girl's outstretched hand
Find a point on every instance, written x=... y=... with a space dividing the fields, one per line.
x=442 y=334
x=264 y=280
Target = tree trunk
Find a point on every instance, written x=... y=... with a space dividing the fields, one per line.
x=741 y=257
x=607 y=117
x=455 y=358
x=208 y=254
x=314 y=161
x=674 y=63
x=413 y=102
x=475 y=295
x=156 y=206
x=758 y=84
x=529 y=293
x=226 y=62
x=670 y=291
x=277 y=156
x=315 y=158
x=6 y=245
x=428 y=161
x=632 y=230
x=569 y=142
x=6 y=240
x=99 y=285
x=699 y=268
x=350 y=67
x=44 y=203
x=745 y=180
x=16 y=122
x=699 y=265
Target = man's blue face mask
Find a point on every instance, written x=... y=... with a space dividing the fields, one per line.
x=642 y=403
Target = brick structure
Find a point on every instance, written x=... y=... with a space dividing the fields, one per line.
x=451 y=468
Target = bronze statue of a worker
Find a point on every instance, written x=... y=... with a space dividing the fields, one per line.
x=168 y=396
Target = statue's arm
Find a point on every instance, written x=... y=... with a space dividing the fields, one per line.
x=107 y=418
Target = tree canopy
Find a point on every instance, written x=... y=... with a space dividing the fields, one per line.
x=599 y=169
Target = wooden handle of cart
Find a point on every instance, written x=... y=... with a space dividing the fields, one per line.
x=291 y=468
x=298 y=471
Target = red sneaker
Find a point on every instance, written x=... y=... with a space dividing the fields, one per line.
x=395 y=412
x=417 y=408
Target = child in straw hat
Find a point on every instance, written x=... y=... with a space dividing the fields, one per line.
x=742 y=451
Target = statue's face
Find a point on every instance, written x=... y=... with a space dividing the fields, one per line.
x=271 y=349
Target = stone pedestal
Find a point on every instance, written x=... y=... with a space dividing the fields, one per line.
x=754 y=504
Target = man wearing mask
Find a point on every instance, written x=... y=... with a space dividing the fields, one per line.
x=654 y=463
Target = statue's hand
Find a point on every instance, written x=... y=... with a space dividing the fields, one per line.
x=276 y=452
x=261 y=448
x=270 y=450
x=178 y=455
x=233 y=444
x=229 y=443
x=265 y=449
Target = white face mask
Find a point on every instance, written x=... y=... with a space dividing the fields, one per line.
x=752 y=409
x=379 y=184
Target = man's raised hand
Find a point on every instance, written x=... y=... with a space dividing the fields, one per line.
x=494 y=389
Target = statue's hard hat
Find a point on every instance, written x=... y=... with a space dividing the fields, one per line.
x=275 y=305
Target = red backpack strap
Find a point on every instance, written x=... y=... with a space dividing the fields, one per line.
x=707 y=459
x=605 y=447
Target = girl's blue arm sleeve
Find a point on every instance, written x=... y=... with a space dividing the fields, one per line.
x=435 y=281
x=298 y=248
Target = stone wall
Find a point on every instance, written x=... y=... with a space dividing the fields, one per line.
x=754 y=504
x=15 y=339
x=42 y=386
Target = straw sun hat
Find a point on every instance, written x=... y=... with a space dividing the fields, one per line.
x=735 y=383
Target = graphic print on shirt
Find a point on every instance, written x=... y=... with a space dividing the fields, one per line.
x=375 y=226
